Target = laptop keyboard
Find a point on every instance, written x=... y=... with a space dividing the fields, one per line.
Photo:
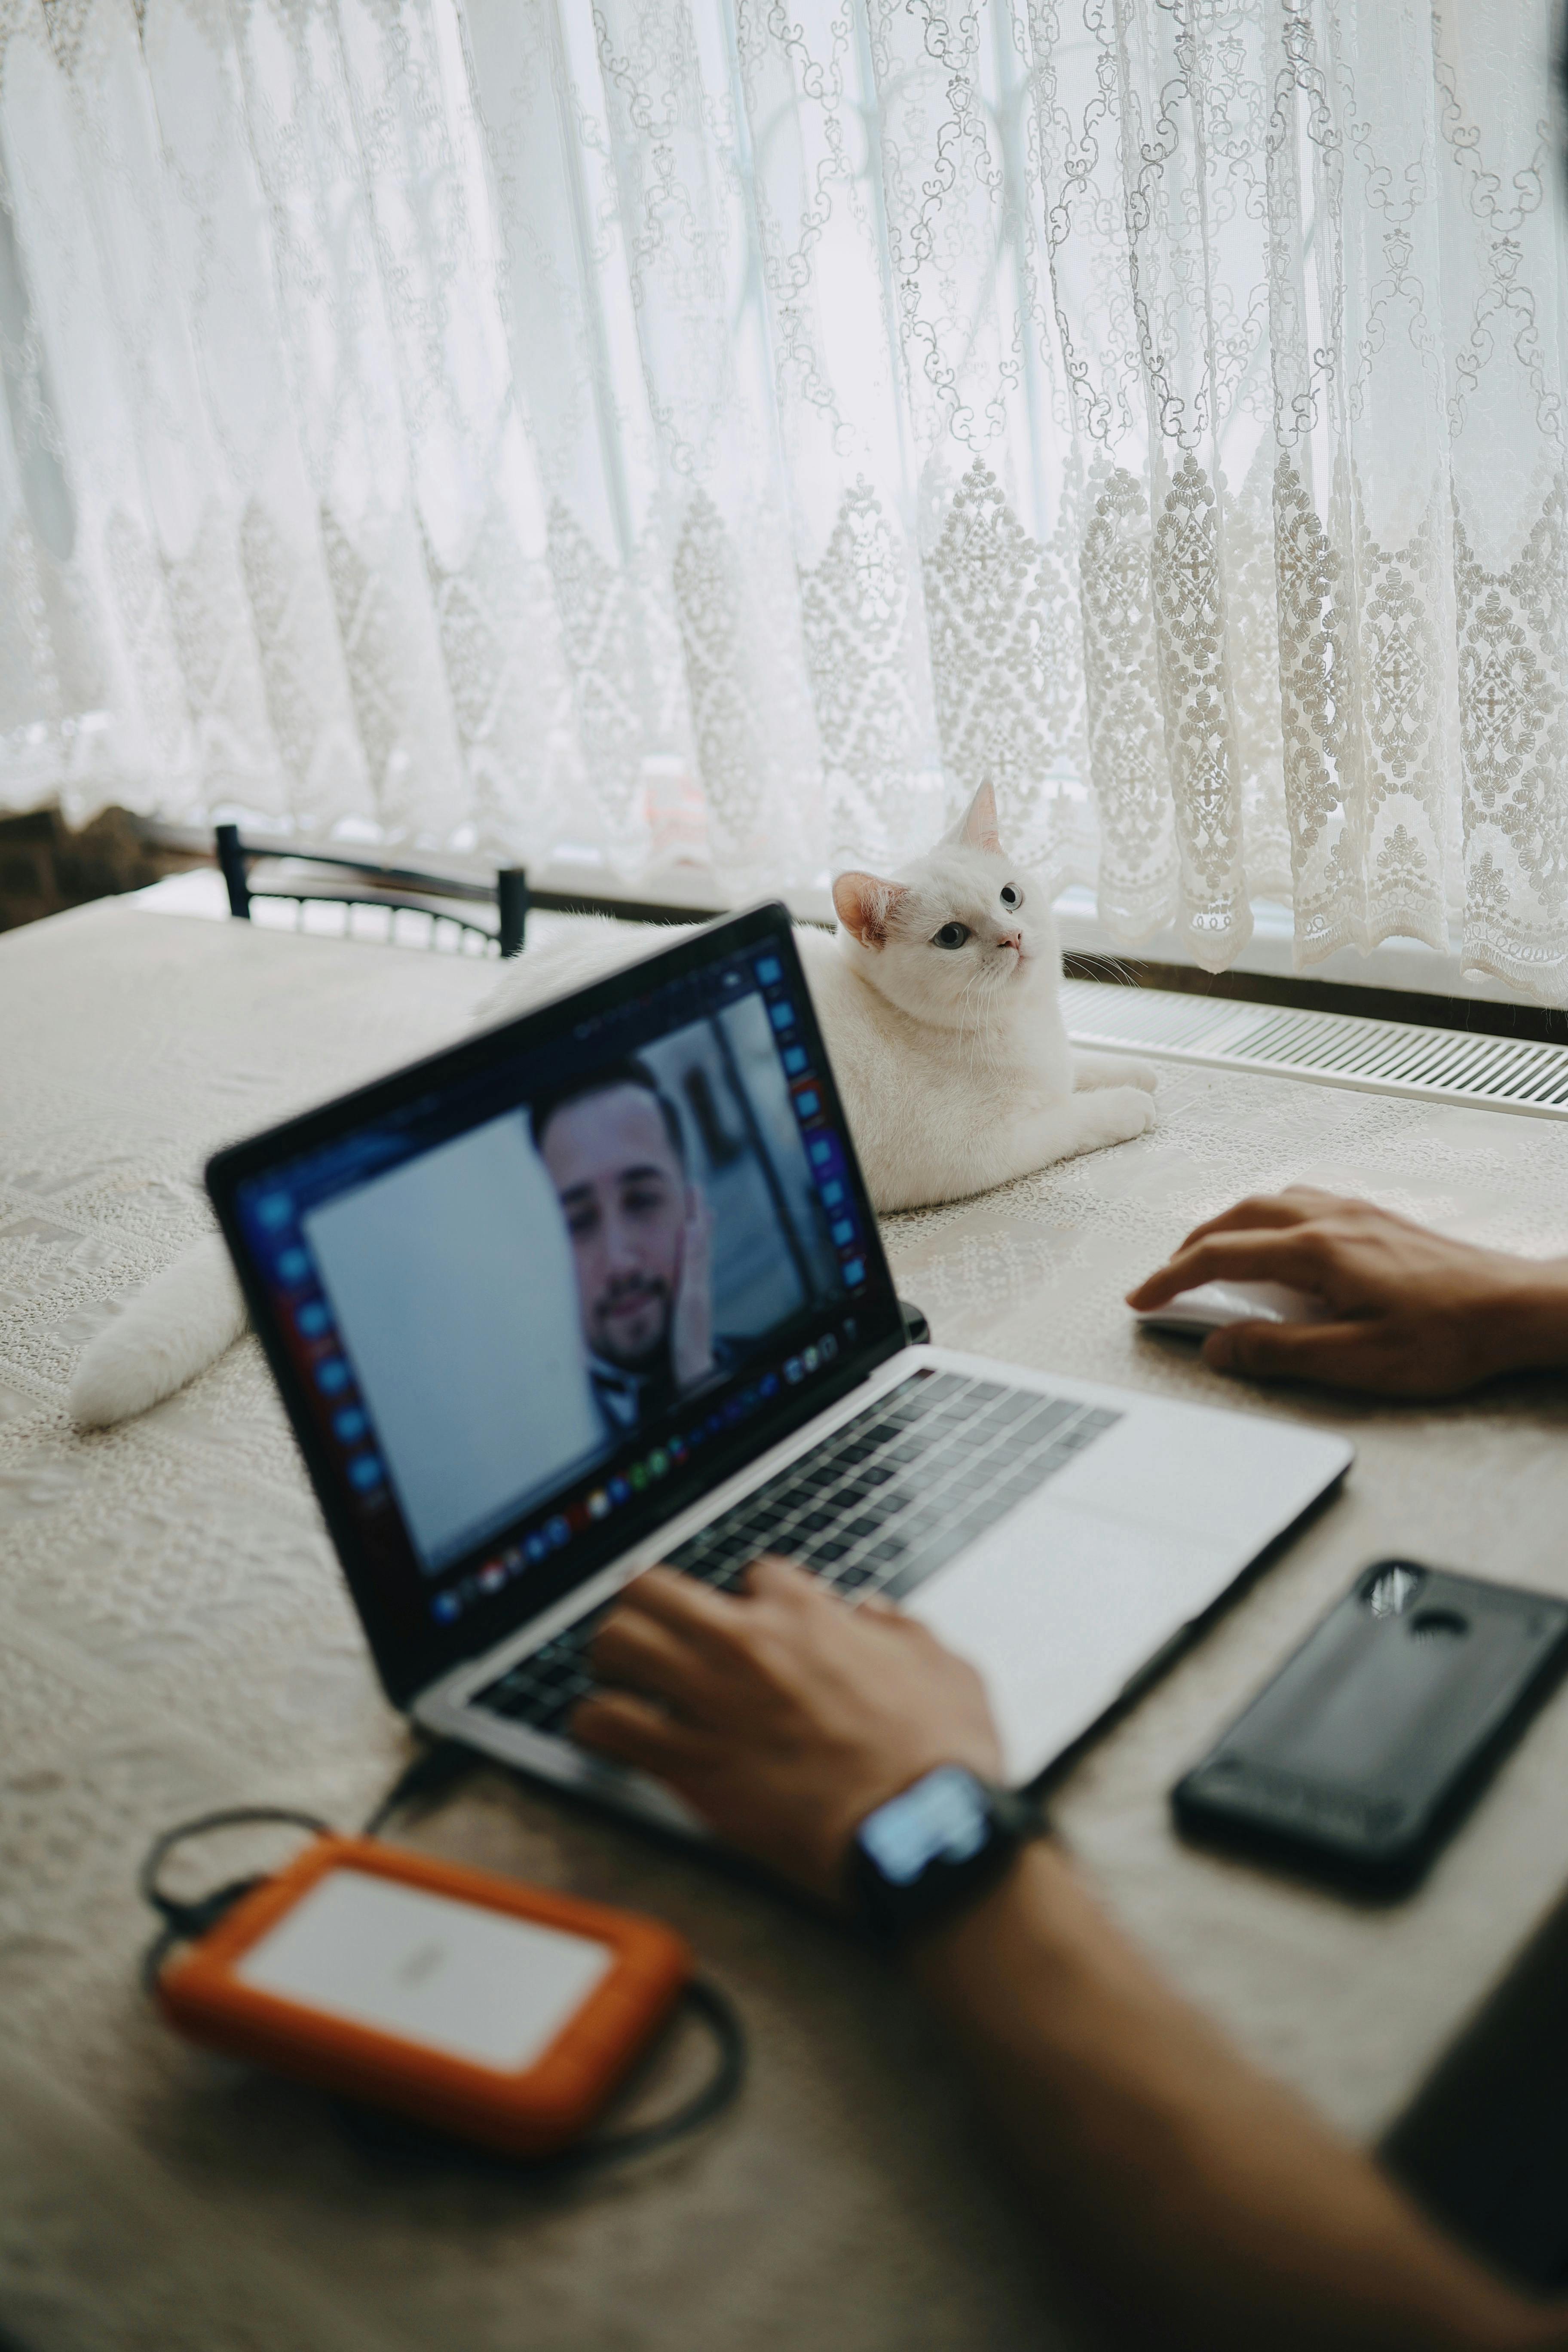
x=882 y=1503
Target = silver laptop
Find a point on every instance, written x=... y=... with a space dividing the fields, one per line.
x=603 y=1287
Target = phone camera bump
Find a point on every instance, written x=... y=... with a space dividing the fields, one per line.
x=1390 y=1591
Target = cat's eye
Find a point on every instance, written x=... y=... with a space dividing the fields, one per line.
x=1010 y=895
x=951 y=935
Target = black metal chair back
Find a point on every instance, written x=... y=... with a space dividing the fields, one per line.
x=367 y=882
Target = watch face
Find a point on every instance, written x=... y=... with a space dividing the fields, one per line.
x=944 y=1818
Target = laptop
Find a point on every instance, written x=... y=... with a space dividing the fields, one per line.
x=603 y=1287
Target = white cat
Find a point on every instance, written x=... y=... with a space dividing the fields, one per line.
x=938 y=1000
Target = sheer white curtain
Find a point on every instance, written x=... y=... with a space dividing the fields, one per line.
x=722 y=430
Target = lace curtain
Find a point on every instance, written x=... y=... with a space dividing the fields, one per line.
x=727 y=431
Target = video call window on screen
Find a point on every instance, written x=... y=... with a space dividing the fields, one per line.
x=507 y=1307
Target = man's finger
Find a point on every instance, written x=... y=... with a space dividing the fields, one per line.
x=684 y=1604
x=1289 y=1254
x=726 y=1628
x=635 y=1649
x=1263 y=1212
x=615 y=1724
x=773 y=1578
x=1298 y=1204
x=1341 y=1353
x=874 y=1605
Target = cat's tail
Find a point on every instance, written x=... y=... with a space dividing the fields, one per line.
x=160 y=1339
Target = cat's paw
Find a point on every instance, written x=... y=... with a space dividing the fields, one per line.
x=1091 y=1071
x=1119 y=1113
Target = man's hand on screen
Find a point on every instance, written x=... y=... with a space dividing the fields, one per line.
x=691 y=1325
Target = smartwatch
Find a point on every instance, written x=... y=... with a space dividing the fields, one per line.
x=936 y=1847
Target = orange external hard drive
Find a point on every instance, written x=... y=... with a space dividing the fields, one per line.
x=484 y=2008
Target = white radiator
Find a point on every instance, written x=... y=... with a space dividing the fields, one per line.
x=1386 y=1057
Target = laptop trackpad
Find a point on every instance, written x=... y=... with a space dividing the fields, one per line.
x=1060 y=1609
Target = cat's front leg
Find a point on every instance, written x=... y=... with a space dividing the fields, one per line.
x=1030 y=1140
x=937 y=1156
x=1112 y=1070
x=1085 y=1123
x=1090 y=1121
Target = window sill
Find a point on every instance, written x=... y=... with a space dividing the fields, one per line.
x=1400 y=981
x=1397 y=963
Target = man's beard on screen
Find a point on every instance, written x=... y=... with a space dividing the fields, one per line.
x=652 y=1350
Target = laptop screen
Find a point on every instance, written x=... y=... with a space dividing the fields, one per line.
x=526 y=1305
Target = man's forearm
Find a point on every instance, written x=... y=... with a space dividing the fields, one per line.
x=1200 y=2197
x=1530 y=1324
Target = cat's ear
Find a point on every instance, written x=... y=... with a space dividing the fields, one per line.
x=976 y=828
x=863 y=904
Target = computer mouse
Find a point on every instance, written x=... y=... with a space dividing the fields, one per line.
x=1212 y=1305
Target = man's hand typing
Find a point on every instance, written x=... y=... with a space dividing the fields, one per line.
x=781 y=1716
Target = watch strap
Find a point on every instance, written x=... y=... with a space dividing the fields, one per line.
x=893 y=1905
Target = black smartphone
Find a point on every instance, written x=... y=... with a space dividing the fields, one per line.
x=1358 y=1758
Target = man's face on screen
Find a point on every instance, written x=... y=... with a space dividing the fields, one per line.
x=624 y=1192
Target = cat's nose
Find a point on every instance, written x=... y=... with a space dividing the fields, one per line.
x=1012 y=939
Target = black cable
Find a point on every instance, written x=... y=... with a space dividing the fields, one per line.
x=183 y=1922
x=429 y=1772
x=719 y=2013
x=432 y=1771
x=383 y=2132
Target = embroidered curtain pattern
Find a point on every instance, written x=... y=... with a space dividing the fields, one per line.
x=731 y=429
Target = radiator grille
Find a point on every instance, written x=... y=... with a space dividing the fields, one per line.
x=1387 y=1058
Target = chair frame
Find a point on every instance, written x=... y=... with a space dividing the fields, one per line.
x=376 y=884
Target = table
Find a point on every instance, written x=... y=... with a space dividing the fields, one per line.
x=173 y=1636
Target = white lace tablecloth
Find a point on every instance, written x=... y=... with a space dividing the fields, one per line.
x=173 y=1636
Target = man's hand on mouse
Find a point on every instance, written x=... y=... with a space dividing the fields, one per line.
x=782 y=1716
x=1413 y=1313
